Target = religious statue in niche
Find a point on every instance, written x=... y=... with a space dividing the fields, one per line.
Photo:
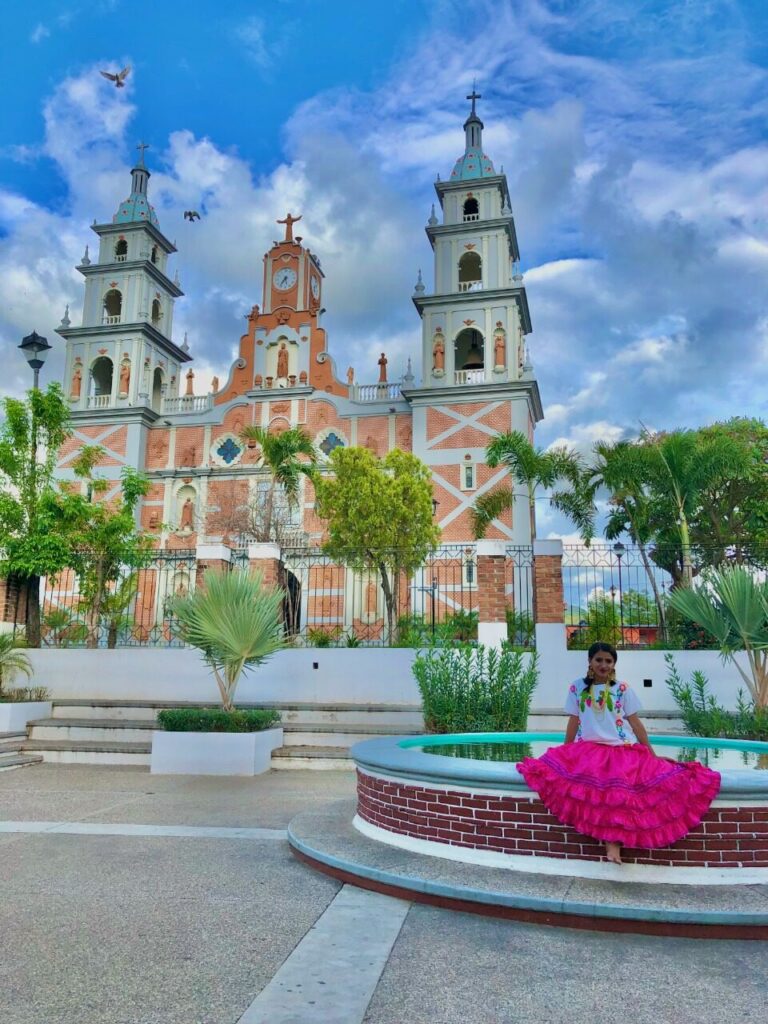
x=438 y=354
x=187 y=522
x=321 y=416
x=282 y=360
x=382 y=369
x=499 y=349
x=125 y=378
x=154 y=520
x=77 y=383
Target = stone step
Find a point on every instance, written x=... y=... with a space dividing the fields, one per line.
x=313 y=757
x=82 y=752
x=9 y=761
x=291 y=710
x=10 y=742
x=93 y=730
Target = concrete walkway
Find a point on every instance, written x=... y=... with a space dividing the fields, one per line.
x=136 y=899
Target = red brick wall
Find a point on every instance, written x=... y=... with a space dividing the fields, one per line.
x=491 y=587
x=728 y=837
x=548 y=588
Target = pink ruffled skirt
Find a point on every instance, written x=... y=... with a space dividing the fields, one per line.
x=621 y=794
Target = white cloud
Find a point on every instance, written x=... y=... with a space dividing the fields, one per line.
x=39 y=33
x=253 y=35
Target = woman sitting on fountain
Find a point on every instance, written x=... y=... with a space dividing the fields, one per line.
x=605 y=780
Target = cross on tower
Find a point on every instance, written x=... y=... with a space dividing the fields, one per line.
x=474 y=95
x=141 y=147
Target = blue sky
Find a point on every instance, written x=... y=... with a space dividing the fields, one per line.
x=633 y=134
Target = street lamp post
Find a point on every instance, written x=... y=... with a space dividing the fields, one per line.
x=35 y=348
x=619 y=549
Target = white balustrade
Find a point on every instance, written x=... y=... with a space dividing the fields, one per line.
x=120 y=259
x=471 y=216
x=99 y=401
x=187 y=404
x=384 y=392
x=469 y=377
x=470 y=286
x=110 y=319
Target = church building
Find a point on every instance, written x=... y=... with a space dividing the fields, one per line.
x=132 y=390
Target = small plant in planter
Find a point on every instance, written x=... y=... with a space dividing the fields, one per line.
x=235 y=621
x=12 y=661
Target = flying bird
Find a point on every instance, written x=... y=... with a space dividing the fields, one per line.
x=191 y=215
x=119 y=78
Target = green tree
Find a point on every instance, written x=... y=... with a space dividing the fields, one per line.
x=733 y=606
x=103 y=536
x=379 y=516
x=530 y=468
x=288 y=457
x=32 y=546
x=235 y=621
x=732 y=521
x=681 y=467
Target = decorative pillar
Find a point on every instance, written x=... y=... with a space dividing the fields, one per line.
x=491 y=591
x=548 y=595
x=211 y=556
x=267 y=558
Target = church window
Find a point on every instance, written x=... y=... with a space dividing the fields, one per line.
x=153 y=254
x=467 y=477
x=157 y=313
x=121 y=251
x=113 y=307
x=470 y=272
x=228 y=450
x=329 y=443
x=471 y=209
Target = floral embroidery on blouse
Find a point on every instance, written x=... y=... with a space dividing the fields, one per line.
x=602 y=701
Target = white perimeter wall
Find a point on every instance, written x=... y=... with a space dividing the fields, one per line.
x=357 y=675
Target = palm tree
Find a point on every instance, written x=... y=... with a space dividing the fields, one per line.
x=12 y=660
x=287 y=457
x=733 y=607
x=682 y=465
x=235 y=621
x=531 y=468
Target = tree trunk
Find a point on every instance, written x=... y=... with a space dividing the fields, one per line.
x=656 y=595
x=32 y=618
x=685 y=540
x=389 y=601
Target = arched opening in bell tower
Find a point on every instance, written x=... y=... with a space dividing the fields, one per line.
x=469 y=356
x=113 y=306
x=100 y=390
x=471 y=209
x=121 y=251
x=470 y=272
x=157 y=313
x=157 y=389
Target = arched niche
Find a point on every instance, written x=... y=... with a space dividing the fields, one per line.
x=471 y=209
x=185 y=509
x=282 y=359
x=121 y=250
x=113 y=306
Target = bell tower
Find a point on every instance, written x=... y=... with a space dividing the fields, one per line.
x=476 y=376
x=122 y=356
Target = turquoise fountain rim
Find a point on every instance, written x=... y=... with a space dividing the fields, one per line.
x=403 y=758
x=699 y=742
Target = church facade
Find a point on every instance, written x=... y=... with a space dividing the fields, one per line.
x=131 y=385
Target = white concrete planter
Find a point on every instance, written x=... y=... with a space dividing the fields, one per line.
x=213 y=753
x=14 y=717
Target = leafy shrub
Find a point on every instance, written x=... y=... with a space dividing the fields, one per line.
x=416 y=630
x=521 y=629
x=703 y=716
x=13 y=660
x=474 y=689
x=323 y=637
x=217 y=720
x=20 y=694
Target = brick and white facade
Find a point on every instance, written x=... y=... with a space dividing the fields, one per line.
x=132 y=391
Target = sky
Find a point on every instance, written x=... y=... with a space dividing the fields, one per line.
x=632 y=132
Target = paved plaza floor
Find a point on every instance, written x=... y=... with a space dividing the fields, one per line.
x=137 y=899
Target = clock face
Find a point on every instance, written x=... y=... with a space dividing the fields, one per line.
x=315 y=286
x=284 y=278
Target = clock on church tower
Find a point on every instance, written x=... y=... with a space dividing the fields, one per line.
x=292 y=274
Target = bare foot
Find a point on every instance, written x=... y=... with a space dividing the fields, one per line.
x=613 y=853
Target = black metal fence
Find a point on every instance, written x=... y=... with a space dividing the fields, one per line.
x=619 y=593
